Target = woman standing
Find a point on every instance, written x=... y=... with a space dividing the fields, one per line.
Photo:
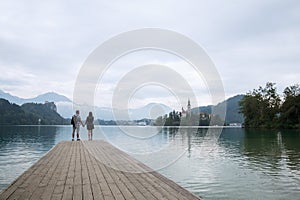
x=90 y=125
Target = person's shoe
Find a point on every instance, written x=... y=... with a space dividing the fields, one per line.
x=72 y=139
x=78 y=139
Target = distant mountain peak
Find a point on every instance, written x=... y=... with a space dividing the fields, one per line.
x=49 y=96
x=150 y=105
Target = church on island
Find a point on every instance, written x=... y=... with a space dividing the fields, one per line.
x=189 y=117
x=186 y=113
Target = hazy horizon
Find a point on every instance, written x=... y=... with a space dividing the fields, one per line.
x=134 y=107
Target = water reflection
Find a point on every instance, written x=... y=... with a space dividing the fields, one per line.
x=27 y=134
x=20 y=147
x=240 y=164
x=261 y=161
x=272 y=149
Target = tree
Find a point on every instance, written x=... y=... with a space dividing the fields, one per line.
x=250 y=106
x=291 y=91
x=159 y=121
x=261 y=106
x=30 y=113
x=290 y=109
x=271 y=104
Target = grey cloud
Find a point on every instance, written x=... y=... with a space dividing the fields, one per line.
x=251 y=42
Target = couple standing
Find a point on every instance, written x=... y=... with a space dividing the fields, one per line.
x=76 y=122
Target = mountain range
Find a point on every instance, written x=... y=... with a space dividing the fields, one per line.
x=232 y=109
x=50 y=96
x=65 y=107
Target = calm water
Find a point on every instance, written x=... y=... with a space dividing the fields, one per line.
x=240 y=164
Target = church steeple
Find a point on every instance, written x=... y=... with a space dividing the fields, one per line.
x=189 y=111
x=189 y=105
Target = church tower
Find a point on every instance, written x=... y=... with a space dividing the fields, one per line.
x=189 y=111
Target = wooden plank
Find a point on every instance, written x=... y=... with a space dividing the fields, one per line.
x=87 y=192
x=105 y=190
x=27 y=186
x=127 y=188
x=51 y=184
x=97 y=193
x=77 y=194
x=166 y=187
x=67 y=166
x=130 y=169
x=58 y=178
x=68 y=192
x=77 y=170
x=43 y=186
x=87 y=187
x=119 y=184
x=92 y=170
x=49 y=191
x=160 y=190
x=113 y=185
x=71 y=167
x=141 y=187
x=95 y=186
x=84 y=168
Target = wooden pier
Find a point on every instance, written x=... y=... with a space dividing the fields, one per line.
x=92 y=170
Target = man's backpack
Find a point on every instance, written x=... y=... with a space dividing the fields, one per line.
x=73 y=120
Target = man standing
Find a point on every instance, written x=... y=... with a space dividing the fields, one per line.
x=76 y=122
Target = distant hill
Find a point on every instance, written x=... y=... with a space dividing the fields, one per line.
x=65 y=107
x=149 y=111
x=29 y=114
x=50 y=96
x=232 y=109
x=152 y=110
x=11 y=98
x=64 y=104
x=13 y=114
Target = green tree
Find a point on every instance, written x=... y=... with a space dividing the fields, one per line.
x=159 y=121
x=290 y=109
x=250 y=107
x=291 y=91
x=261 y=107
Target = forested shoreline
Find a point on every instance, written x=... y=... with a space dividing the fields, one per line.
x=265 y=108
x=261 y=108
x=30 y=114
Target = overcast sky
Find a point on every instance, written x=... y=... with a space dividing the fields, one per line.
x=43 y=44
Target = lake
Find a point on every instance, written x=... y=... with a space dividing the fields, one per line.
x=229 y=163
